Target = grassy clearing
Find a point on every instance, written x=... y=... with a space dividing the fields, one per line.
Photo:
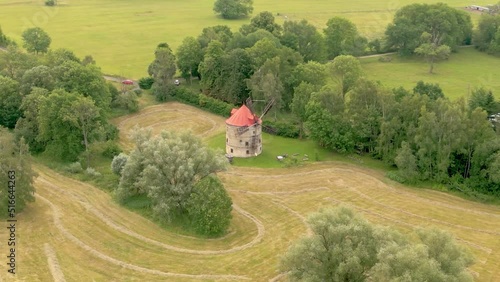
x=96 y=239
x=122 y=36
x=274 y=146
x=457 y=76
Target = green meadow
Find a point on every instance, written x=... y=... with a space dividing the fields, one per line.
x=122 y=35
x=458 y=76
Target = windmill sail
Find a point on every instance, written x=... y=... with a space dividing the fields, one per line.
x=249 y=103
x=267 y=108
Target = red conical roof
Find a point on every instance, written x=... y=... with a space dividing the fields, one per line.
x=242 y=117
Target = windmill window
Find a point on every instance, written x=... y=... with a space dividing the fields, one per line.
x=227 y=140
x=231 y=150
x=240 y=141
x=260 y=140
x=254 y=132
x=246 y=143
x=248 y=152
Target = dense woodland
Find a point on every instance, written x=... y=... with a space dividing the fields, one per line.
x=60 y=103
x=313 y=76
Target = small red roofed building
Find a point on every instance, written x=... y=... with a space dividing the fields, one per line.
x=243 y=133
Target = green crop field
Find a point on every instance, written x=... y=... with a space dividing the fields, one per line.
x=122 y=35
x=76 y=232
x=457 y=76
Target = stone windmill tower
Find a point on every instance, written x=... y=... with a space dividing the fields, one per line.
x=244 y=131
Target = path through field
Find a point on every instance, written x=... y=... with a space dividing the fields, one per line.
x=76 y=232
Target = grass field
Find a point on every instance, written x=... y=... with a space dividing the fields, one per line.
x=77 y=232
x=122 y=36
x=460 y=74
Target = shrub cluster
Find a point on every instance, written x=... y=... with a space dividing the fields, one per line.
x=282 y=128
x=187 y=96
x=146 y=82
x=200 y=100
x=119 y=163
x=92 y=172
x=75 y=167
x=215 y=106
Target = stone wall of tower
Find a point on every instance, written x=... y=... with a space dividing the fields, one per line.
x=242 y=142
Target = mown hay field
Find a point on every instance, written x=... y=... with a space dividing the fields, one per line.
x=76 y=232
x=122 y=36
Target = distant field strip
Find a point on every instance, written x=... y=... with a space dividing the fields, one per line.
x=96 y=239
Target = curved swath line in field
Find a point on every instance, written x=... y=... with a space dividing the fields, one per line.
x=259 y=175
x=166 y=110
x=54 y=266
x=56 y=215
x=80 y=199
x=214 y=125
x=280 y=192
x=421 y=216
x=434 y=202
x=295 y=213
x=277 y=277
x=208 y=239
x=109 y=222
x=386 y=186
x=474 y=245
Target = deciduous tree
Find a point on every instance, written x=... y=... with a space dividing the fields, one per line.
x=264 y=20
x=86 y=80
x=59 y=56
x=189 y=56
x=305 y=39
x=365 y=111
x=484 y=99
x=302 y=94
x=166 y=168
x=342 y=38
x=14 y=62
x=39 y=76
x=432 y=51
x=83 y=114
x=266 y=84
x=406 y=163
x=15 y=166
x=27 y=126
x=10 y=101
x=209 y=206
x=233 y=9
x=63 y=138
x=346 y=71
x=446 y=26
x=162 y=69
x=221 y=33
x=486 y=33
x=345 y=247
x=36 y=40
x=433 y=91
